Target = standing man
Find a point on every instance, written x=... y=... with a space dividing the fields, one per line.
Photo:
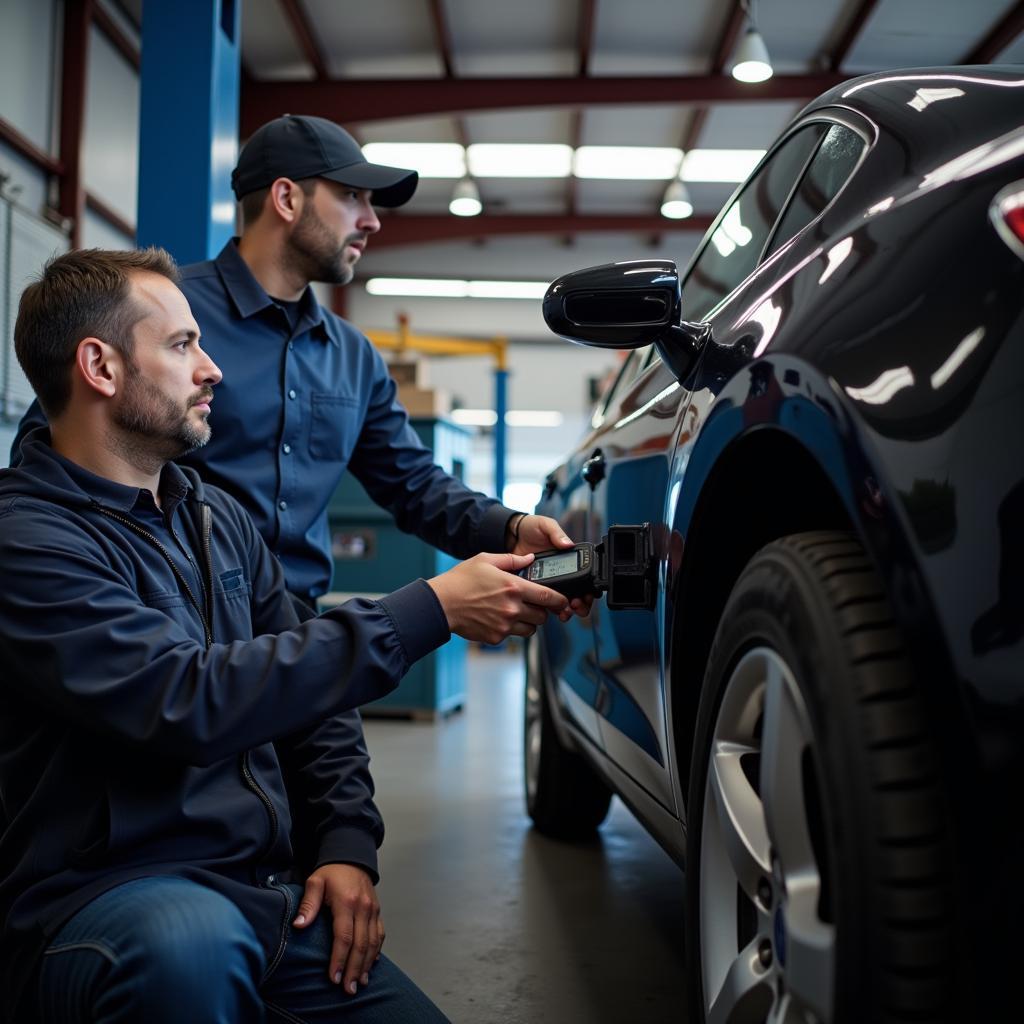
x=307 y=397
x=161 y=702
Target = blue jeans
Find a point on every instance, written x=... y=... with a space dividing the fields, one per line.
x=164 y=950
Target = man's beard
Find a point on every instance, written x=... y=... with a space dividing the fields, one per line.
x=155 y=429
x=314 y=252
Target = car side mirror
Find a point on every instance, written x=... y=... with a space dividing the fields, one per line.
x=623 y=306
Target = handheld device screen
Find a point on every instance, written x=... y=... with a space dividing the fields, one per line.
x=556 y=565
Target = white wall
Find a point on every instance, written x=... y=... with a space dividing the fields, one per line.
x=28 y=83
x=110 y=143
x=29 y=80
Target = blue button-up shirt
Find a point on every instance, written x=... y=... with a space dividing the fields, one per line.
x=296 y=408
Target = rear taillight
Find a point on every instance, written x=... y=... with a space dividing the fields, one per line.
x=1007 y=212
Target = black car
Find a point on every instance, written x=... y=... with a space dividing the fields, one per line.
x=820 y=715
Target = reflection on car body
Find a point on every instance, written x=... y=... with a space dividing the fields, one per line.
x=822 y=420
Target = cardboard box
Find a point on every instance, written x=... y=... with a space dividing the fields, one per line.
x=425 y=401
x=407 y=372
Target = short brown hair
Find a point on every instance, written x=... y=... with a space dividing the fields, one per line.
x=84 y=293
x=252 y=204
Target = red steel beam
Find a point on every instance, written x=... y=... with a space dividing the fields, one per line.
x=443 y=39
x=727 y=40
x=78 y=16
x=411 y=229
x=110 y=215
x=28 y=149
x=726 y=44
x=110 y=28
x=585 y=35
x=304 y=34
x=853 y=29
x=357 y=100
x=1002 y=34
x=442 y=36
x=584 y=45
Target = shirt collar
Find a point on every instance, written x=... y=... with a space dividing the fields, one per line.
x=174 y=485
x=250 y=297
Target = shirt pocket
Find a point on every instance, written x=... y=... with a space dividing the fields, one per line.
x=334 y=427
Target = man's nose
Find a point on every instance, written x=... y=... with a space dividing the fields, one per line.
x=207 y=371
x=368 y=220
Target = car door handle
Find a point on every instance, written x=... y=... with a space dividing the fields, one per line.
x=594 y=469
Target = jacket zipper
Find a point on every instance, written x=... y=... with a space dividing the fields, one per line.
x=142 y=532
x=206 y=616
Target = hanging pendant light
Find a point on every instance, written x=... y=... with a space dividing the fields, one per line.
x=676 y=204
x=465 y=199
x=751 y=62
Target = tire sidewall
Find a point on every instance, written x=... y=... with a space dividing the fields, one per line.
x=777 y=603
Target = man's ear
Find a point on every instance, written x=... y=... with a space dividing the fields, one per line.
x=286 y=199
x=99 y=366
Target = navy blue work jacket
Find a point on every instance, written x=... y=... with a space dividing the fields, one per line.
x=160 y=700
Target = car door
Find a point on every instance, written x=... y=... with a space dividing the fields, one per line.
x=648 y=432
x=636 y=449
x=568 y=647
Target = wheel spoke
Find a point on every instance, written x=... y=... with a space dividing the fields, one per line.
x=784 y=738
x=740 y=817
x=746 y=992
x=785 y=1011
x=810 y=949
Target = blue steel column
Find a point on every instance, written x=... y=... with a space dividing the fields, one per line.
x=500 y=431
x=188 y=138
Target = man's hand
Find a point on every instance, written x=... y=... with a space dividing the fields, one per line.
x=483 y=599
x=355 y=910
x=537 y=533
x=542 y=533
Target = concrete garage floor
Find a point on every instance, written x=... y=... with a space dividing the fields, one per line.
x=495 y=922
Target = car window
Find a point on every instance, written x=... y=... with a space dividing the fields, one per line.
x=826 y=174
x=631 y=367
x=732 y=251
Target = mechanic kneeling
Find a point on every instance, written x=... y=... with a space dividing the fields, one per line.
x=161 y=701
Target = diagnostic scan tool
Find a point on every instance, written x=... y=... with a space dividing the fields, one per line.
x=622 y=566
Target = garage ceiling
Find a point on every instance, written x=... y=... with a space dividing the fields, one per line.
x=575 y=72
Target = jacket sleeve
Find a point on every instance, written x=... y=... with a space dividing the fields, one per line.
x=34 y=417
x=400 y=475
x=77 y=638
x=330 y=793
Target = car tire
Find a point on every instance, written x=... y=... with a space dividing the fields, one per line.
x=564 y=797
x=818 y=852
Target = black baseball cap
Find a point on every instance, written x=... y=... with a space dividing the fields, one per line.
x=299 y=147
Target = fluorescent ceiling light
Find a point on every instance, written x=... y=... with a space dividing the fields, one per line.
x=752 y=63
x=512 y=160
x=720 y=164
x=465 y=199
x=415 y=286
x=533 y=418
x=475 y=417
x=627 y=162
x=507 y=289
x=501 y=160
x=438 y=288
x=513 y=418
x=676 y=204
x=431 y=159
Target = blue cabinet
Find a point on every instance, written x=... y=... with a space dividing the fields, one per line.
x=373 y=557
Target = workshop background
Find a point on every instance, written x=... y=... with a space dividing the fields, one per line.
x=538 y=109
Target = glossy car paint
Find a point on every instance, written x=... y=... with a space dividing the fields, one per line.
x=868 y=374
